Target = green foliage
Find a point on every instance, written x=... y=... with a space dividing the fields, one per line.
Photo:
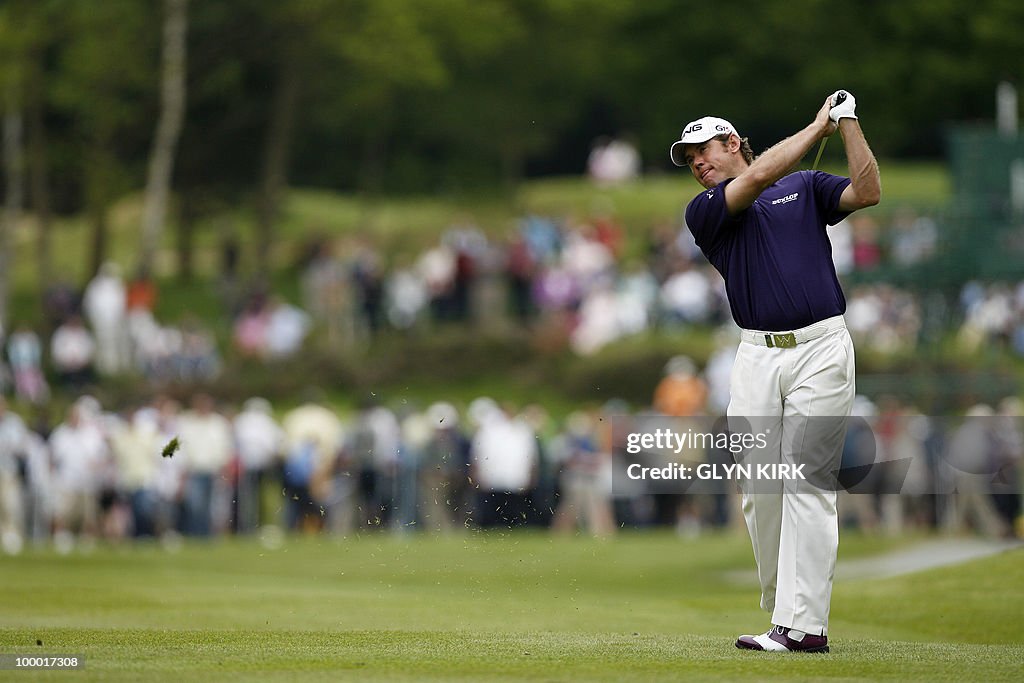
x=405 y=95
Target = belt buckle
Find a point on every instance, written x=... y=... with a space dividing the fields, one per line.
x=781 y=341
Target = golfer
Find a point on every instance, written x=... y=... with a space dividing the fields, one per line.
x=764 y=228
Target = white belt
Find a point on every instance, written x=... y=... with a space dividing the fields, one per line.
x=786 y=340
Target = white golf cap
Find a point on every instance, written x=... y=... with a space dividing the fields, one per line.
x=698 y=131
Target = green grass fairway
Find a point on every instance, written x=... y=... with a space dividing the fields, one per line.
x=481 y=607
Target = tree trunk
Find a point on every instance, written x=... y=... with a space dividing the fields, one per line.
x=39 y=186
x=277 y=150
x=168 y=130
x=13 y=155
x=98 y=251
x=186 y=244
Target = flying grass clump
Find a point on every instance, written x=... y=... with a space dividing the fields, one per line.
x=171 y=448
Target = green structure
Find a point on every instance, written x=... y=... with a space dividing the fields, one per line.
x=984 y=230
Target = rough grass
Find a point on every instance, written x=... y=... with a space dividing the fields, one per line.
x=486 y=607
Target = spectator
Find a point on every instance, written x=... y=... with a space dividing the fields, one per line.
x=407 y=298
x=914 y=237
x=443 y=470
x=374 y=446
x=250 y=329
x=40 y=498
x=636 y=299
x=585 y=478
x=681 y=392
x=260 y=442
x=314 y=437
x=687 y=295
x=416 y=433
x=867 y=252
x=72 y=350
x=989 y=316
x=286 y=330
x=613 y=161
x=469 y=245
x=504 y=463
x=13 y=446
x=327 y=293
x=586 y=259
x=971 y=456
x=718 y=372
x=25 y=355
x=598 y=322
x=883 y=318
x=1008 y=432
x=104 y=303
x=141 y=293
x=80 y=458
x=135 y=445
x=206 y=448
x=196 y=358
x=542 y=236
x=171 y=473
x=520 y=270
x=368 y=276
x=436 y=267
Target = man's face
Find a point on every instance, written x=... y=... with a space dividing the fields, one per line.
x=713 y=161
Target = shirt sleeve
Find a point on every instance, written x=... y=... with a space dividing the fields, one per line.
x=706 y=216
x=827 y=190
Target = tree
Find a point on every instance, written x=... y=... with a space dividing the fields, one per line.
x=172 y=114
x=13 y=158
x=103 y=82
x=14 y=58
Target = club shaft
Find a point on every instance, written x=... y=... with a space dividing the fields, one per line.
x=821 y=148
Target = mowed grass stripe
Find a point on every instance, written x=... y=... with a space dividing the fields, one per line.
x=491 y=607
x=544 y=655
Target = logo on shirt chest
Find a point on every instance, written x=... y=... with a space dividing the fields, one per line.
x=787 y=199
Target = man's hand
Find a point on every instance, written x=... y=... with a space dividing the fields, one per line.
x=843 y=106
x=823 y=119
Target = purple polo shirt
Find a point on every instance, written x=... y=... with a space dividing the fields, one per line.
x=775 y=256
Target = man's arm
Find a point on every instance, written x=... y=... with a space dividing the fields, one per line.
x=865 y=188
x=776 y=162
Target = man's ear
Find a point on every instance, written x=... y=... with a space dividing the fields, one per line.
x=734 y=143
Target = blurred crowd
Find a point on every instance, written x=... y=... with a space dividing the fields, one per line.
x=572 y=282
x=107 y=328
x=577 y=281
x=993 y=316
x=955 y=474
x=166 y=471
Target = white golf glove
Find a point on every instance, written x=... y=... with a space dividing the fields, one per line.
x=843 y=106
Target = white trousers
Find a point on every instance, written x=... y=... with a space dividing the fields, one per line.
x=794 y=525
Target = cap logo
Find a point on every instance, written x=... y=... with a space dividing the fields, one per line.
x=721 y=128
x=693 y=128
